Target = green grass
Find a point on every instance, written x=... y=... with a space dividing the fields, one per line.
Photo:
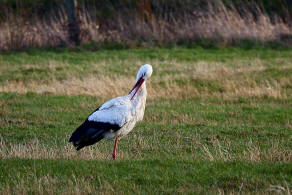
x=206 y=143
x=117 y=60
x=147 y=176
x=192 y=144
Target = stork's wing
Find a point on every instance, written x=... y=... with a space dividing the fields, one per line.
x=112 y=115
x=116 y=111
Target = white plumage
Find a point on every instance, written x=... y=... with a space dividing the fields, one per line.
x=116 y=117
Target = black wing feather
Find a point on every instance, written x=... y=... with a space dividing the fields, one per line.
x=90 y=132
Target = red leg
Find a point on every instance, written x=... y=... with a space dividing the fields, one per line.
x=115 y=148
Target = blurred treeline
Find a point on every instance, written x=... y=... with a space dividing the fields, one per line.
x=25 y=23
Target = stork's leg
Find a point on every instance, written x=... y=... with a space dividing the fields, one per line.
x=115 y=148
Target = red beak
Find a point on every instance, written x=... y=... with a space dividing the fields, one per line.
x=137 y=85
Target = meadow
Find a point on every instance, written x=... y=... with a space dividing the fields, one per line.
x=217 y=120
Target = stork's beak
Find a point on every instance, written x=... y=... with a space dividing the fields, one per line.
x=137 y=86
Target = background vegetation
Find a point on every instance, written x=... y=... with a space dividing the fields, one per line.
x=143 y=23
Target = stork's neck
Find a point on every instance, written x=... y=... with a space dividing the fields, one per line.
x=141 y=94
x=139 y=101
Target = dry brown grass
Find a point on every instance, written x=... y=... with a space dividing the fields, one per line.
x=215 y=151
x=36 y=150
x=17 y=32
x=237 y=80
x=214 y=22
x=212 y=151
x=230 y=24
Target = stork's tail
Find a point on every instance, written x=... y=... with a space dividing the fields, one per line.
x=86 y=139
x=86 y=135
x=91 y=132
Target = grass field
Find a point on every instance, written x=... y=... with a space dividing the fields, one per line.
x=216 y=121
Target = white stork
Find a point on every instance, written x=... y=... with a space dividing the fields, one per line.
x=115 y=118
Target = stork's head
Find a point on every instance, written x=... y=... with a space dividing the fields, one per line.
x=144 y=72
